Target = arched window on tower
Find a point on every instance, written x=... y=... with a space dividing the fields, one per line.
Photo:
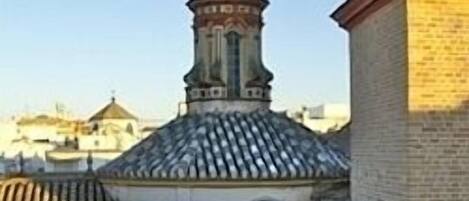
x=233 y=57
x=130 y=129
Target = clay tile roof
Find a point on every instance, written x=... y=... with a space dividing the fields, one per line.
x=112 y=111
x=261 y=145
x=65 y=189
x=340 y=139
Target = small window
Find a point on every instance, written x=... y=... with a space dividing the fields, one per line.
x=130 y=129
x=250 y=93
x=202 y=94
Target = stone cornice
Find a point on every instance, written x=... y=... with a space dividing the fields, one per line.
x=220 y=183
x=250 y=20
x=192 y=4
x=353 y=12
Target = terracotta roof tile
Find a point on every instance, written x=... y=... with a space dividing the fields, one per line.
x=65 y=189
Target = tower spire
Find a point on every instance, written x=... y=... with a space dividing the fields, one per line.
x=228 y=73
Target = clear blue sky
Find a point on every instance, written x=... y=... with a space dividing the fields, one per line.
x=77 y=51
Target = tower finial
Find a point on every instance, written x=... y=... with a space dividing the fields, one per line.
x=113 y=96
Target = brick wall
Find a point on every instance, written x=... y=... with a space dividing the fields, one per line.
x=438 y=128
x=379 y=80
x=410 y=102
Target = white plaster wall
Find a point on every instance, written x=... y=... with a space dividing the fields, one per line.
x=81 y=160
x=8 y=131
x=28 y=149
x=98 y=142
x=330 y=111
x=121 y=124
x=7 y=135
x=39 y=132
x=324 y=125
x=121 y=141
x=211 y=194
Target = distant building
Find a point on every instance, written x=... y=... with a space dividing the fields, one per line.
x=323 y=118
x=70 y=160
x=55 y=144
x=52 y=129
x=32 y=148
x=113 y=118
x=113 y=130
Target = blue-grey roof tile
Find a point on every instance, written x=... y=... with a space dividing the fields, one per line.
x=230 y=146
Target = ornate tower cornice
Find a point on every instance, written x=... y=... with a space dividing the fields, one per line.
x=217 y=12
x=228 y=73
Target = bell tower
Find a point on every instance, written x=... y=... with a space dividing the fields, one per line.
x=228 y=72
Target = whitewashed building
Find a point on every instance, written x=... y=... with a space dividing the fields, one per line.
x=323 y=118
x=52 y=144
x=113 y=131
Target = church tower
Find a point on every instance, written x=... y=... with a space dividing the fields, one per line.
x=410 y=98
x=228 y=72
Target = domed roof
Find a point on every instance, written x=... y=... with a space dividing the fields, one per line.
x=230 y=146
x=112 y=111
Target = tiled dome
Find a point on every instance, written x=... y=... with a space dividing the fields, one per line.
x=260 y=145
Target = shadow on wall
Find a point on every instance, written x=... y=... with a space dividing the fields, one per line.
x=439 y=142
x=63 y=188
x=335 y=192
